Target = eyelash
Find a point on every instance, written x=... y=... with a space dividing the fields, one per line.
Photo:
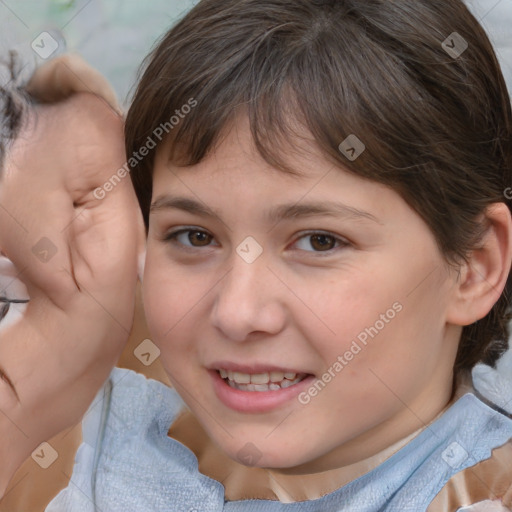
x=173 y=235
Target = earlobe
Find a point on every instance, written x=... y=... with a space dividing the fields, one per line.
x=483 y=278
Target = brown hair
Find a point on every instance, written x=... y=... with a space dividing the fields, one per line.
x=437 y=127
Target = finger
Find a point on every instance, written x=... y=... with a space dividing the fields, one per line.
x=106 y=234
x=36 y=243
x=67 y=75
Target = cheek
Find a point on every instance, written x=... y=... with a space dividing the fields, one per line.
x=390 y=346
x=160 y=294
x=347 y=310
x=372 y=324
x=172 y=302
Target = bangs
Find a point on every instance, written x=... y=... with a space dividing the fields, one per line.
x=373 y=70
x=432 y=119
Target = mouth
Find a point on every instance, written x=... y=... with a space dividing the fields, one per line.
x=260 y=382
x=255 y=390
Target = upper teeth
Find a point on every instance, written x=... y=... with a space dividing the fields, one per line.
x=256 y=378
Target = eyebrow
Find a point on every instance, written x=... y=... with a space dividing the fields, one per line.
x=275 y=215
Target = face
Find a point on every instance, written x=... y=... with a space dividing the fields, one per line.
x=301 y=318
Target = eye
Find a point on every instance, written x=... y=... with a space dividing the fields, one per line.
x=190 y=237
x=319 y=242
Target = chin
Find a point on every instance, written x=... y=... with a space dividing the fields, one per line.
x=254 y=454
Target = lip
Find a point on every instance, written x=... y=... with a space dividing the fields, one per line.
x=255 y=401
x=252 y=368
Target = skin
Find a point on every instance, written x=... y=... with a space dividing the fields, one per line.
x=301 y=308
x=82 y=299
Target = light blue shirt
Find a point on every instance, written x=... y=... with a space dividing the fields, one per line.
x=128 y=463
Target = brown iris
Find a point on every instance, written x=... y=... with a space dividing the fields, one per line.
x=199 y=238
x=322 y=242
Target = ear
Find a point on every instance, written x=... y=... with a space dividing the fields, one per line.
x=483 y=277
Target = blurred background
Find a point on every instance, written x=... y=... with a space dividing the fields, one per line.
x=115 y=35
x=112 y=35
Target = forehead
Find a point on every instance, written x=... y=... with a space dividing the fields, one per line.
x=235 y=178
x=236 y=151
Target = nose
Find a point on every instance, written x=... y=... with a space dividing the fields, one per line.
x=248 y=301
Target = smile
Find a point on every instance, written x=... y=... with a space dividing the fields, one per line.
x=259 y=392
x=268 y=381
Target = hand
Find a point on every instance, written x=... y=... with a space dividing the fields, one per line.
x=68 y=74
x=77 y=256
